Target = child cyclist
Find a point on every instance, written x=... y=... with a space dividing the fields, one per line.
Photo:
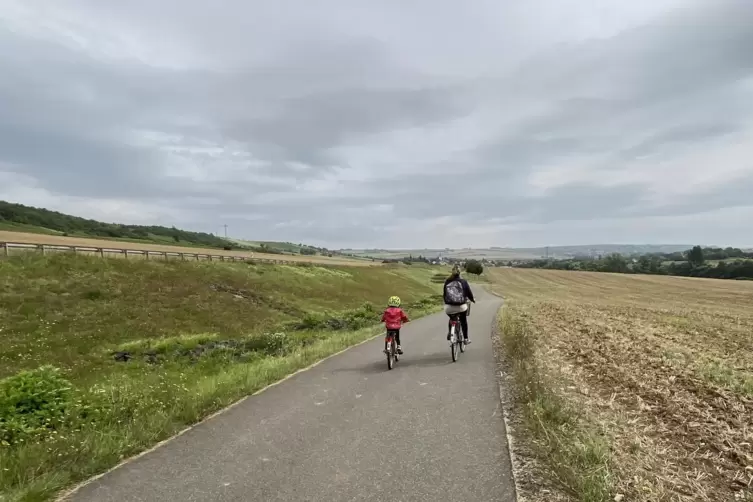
x=393 y=319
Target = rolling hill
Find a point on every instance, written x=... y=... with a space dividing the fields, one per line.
x=21 y=218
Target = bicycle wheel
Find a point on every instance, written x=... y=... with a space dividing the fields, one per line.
x=453 y=346
x=390 y=354
x=461 y=343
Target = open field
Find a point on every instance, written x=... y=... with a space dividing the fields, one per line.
x=145 y=348
x=628 y=384
x=30 y=238
x=510 y=253
x=489 y=254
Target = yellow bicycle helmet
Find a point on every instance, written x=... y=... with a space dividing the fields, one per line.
x=394 y=301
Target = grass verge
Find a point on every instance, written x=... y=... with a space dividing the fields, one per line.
x=575 y=452
x=137 y=351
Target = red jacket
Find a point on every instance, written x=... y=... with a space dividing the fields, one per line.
x=394 y=317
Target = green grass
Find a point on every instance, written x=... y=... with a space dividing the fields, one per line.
x=575 y=452
x=21 y=227
x=199 y=335
x=721 y=374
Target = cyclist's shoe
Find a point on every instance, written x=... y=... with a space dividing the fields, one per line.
x=448 y=336
x=467 y=341
x=399 y=349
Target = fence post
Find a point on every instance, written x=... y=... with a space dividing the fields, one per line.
x=125 y=253
x=5 y=248
x=41 y=248
x=183 y=256
x=164 y=253
x=146 y=255
x=101 y=252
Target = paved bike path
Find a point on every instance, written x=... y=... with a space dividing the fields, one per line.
x=348 y=429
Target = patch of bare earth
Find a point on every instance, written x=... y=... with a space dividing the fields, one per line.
x=664 y=365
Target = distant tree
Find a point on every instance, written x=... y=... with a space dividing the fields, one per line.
x=643 y=266
x=474 y=267
x=615 y=262
x=308 y=251
x=695 y=256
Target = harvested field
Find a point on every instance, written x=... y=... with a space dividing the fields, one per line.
x=30 y=238
x=661 y=368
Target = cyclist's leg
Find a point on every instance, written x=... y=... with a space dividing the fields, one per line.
x=397 y=337
x=464 y=323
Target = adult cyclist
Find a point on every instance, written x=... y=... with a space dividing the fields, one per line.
x=457 y=294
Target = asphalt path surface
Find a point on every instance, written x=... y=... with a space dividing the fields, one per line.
x=348 y=429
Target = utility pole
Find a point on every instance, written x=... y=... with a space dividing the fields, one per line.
x=225 y=231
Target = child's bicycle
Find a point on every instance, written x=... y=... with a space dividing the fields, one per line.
x=391 y=350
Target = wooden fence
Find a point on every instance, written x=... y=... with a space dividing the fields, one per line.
x=6 y=247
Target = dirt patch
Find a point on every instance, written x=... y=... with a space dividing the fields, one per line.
x=701 y=434
x=665 y=366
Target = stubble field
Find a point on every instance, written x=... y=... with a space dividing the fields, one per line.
x=629 y=386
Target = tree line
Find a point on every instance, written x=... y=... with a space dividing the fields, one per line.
x=717 y=263
x=74 y=225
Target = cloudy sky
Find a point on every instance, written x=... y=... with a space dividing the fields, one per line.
x=389 y=123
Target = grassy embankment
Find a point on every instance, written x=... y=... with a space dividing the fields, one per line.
x=629 y=386
x=84 y=242
x=21 y=232
x=197 y=336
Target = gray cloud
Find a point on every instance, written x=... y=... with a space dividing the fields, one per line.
x=353 y=127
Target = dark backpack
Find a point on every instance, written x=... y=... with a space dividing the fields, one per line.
x=454 y=293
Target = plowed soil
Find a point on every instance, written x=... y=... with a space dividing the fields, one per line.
x=665 y=363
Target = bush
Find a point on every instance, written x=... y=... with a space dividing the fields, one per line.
x=33 y=404
x=474 y=267
x=354 y=319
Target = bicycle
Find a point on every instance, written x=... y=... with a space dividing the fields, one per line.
x=391 y=350
x=457 y=341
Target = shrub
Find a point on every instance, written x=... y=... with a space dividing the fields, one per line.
x=474 y=267
x=353 y=319
x=33 y=404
